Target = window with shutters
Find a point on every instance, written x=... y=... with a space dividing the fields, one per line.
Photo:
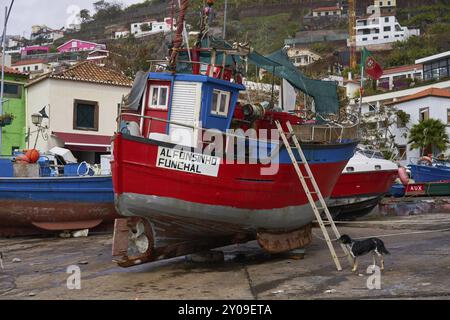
x=85 y=115
x=221 y=103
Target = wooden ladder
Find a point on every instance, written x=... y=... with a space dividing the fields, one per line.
x=310 y=193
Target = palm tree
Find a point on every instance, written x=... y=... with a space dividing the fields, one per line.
x=429 y=135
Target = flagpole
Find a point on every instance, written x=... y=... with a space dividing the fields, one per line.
x=361 y=89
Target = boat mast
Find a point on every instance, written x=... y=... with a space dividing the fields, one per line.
x=178 y=40
x=204 y=23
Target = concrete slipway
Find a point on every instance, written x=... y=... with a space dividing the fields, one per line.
x=419 y=268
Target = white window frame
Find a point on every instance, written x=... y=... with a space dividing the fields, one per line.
x=215 y=109
x=158 y=106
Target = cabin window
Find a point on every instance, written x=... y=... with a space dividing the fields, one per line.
x=350 y=169
x=85 y=115
x=221 y=103
x=448 y=116
x=159 y=97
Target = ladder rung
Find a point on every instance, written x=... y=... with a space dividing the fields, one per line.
x=307 y=177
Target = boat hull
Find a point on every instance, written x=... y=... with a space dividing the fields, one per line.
x=357 y=194
x=430 y=189
x=423 y=174
x=32 y=205
x=238 y=203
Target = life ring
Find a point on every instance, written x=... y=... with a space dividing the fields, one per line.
x=426 y=160
x=403 y=174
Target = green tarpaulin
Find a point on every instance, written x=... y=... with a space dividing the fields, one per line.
x=324 y=93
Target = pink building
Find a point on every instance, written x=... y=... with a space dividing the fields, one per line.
x=75 y=45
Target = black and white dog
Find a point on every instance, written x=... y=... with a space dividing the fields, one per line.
x=361 y=248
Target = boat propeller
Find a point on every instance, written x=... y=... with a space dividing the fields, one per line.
x=138 y=241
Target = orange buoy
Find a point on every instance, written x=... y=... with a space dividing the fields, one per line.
x=403 y=174
x=33 y=155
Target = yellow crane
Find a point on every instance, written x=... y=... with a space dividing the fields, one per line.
x=352 y=32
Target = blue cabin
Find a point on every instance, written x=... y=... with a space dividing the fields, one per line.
x=192 y=100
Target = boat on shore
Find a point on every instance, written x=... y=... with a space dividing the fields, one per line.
x=428 y=178
x=33 y=201
x=430 y=172
x=363 y=183
x=194 y=169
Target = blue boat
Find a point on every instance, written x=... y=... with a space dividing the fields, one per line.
x=63 y=199
x=430 y=173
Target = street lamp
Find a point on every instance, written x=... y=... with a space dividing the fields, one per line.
x=36 y=119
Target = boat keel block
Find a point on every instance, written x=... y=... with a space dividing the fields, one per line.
x=285 y=242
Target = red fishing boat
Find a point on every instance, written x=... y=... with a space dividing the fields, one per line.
x=362 y=185
x=195 y=169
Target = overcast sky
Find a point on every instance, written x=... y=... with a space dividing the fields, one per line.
x=53 y=13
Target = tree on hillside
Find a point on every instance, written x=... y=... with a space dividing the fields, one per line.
x=107 y=10
x=429 y=136
x=85 y=15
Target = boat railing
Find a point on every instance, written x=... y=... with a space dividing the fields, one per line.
x=306 y=133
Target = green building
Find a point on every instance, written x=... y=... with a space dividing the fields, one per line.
x=13 y=136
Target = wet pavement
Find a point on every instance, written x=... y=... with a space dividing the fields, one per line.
x=419 y=268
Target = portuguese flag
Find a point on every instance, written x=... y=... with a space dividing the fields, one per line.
x=370 y=65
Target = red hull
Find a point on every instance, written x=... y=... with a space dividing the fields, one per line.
x=237 y=186
x=360 y=184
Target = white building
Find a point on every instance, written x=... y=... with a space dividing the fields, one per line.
x=436 y=67
x=382 y=6
x=379 y=29
x=151 y=27
x=335 y=11
x=373 y=103
x=432 y=103
x=392 y=76
x=82 y=103
x=302 y=57
x=98 y=56
x=34 y=67
x=121 y=34
x=45 y=33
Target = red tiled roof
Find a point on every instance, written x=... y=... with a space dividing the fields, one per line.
x=88 y=71
x=327 y=8
x=9 y=70
x=418 y=67
x=27 y=62
x=432 y=92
